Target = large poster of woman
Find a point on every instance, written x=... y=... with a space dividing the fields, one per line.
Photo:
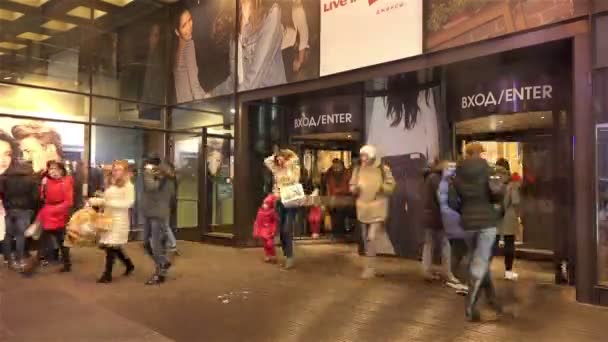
x=204 y=36
x=408 y=130
x=278 y=42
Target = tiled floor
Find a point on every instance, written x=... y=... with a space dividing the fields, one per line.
x=225 y=294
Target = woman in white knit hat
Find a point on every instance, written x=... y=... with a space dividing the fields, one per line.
x=372 y=183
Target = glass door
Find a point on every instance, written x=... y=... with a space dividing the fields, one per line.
x=185 y=215
x=219 y=192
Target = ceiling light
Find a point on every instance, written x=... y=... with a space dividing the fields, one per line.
x=9 y=15
x=232 y=110
x=85 y=13
x=31 y=3
x=11 y=46
x=500 y=122
x=542 y=118
x=119 y=3
x=37 y=37
x=57 y=25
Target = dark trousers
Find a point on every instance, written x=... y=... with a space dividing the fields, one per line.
x=287 y=219
x=338 y=220
x=111 y=254
x=459 y=250
x=54 y=238
x=17 y=221
x=508 y=250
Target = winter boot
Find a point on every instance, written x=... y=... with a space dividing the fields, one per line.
x=106 y=277
x=129 y=267
x=67 y=262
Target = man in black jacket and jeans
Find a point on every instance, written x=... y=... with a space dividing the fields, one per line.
x=158 y=193
x=19 y=191
x=480 y=217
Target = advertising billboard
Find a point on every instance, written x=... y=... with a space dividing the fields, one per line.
x=359 y=33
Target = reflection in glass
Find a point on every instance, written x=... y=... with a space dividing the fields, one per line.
x=19 y=100
x=220 y=167
x=186 y=151
x=602 y=203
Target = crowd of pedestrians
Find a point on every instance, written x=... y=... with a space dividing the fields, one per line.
x=470 y=210
x=38 y=206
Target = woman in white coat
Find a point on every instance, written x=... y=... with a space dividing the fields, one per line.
x=116 y=201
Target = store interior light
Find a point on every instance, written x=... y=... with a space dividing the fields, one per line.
x=9 y=15
x=119 y=3
x=37 y=37
x=85 y=13
x=232 y=110
x=31 y=3
x=12 y=46
x=57 y=25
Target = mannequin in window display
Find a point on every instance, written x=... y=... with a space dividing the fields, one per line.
x=261 y=37
x=187 y=85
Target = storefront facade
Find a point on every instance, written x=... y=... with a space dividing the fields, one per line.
x=190 y=82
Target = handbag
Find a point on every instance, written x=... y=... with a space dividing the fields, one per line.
x=33 y=231
x=293 y=196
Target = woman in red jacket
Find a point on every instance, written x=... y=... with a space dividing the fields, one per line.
x=56 y=194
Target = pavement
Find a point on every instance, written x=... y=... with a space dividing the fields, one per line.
x=225 y=294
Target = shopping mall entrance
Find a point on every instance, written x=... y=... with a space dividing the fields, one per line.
x=325 y=132
x=518 y=106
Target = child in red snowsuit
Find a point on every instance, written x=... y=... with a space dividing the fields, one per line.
x=315 y=214
x=265 y=227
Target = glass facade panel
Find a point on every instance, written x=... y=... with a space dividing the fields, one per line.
x=109 y=144
x=600 y=107
x=124 y=113
x=44 y=49
x=130 y=61
x=220 y=192
x=26 y=101
x=186 y=159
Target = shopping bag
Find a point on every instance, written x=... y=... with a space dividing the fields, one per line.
x=293 y=196
x=33 y=231
x=82 y=228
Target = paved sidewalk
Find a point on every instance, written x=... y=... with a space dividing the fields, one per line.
x=225 y=294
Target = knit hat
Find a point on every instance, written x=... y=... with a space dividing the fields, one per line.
x=368 y=150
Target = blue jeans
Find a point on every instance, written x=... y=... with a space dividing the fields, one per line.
x=433 y=238
x=17 y=221
x=479 y=267
x=155 y=231
x=287 y=219
x=171 y=242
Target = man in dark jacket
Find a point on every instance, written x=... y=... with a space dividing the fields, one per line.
x=156 y=206
x=480 y=217
x=19 y=191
